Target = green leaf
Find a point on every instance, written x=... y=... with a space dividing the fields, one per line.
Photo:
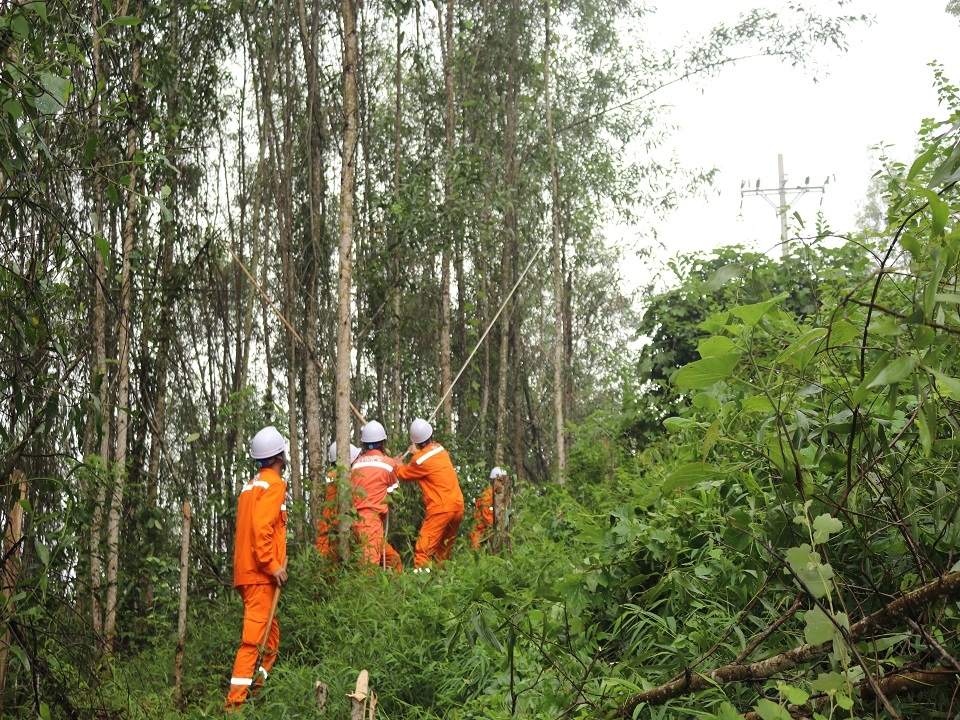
x=14 y=109
x=923 y=160
x=829 y=682
x=43 y=554
x=823 y=526
x=793 y=694
x=126 y=20
x=843 y=702
x=727 y=712
x=751 y=314
x=59 y=88
x=193 y=437
x=950 y=386
x=722 y=276
x=706 y=372
x=717 y=345
x=104 y=247
x=484 y=631
x=675 y=424
x=818 y=628
x=687 y=475
x=44 y=711
x=894 y=372
x=769 y=710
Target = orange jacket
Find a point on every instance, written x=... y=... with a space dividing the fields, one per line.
x=431 y=467
x=483 y=509
x=261 y=541
x=374 y=475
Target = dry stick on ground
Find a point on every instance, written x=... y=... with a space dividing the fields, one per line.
x=885 y=618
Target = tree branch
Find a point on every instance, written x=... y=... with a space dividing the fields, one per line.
x=885 y=618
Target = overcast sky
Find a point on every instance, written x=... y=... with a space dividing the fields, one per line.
x=878 y=91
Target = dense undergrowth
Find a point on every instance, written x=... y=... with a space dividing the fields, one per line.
x=770 y=529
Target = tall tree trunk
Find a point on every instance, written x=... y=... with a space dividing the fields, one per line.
x=558 y=382
x=445 y=374
x=510 y=227
x=314 y=133
x=349 y=18
x=99 y=331
x=396 y=395
x=123 y=351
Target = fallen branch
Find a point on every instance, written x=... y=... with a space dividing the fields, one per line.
x=886 y=618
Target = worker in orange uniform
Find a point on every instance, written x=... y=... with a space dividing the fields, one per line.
x=259 y=561
x=327 y=524
x=483 y=517
x=374 y=478
x=431 y=468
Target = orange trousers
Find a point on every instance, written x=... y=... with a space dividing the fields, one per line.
x=368 y=531
x=257 y=600
x=437 y=534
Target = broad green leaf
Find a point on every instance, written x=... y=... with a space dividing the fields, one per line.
x=894 y=372
x=756 y=403
x=484 y=631
x=829 y=682
x=727 y=712
x=44 y=711
x=704 y=373
x=806 y=565
x=675 y=424
x=769 y=710
x=722 y=276
x=751 y=314
x=793 y=694
x=717 y=345
x=59 y=88
x=687 y=475
x=823 y=526
x=843 y=702
x=14 y=109
x=842 y=332
x=193 y=437
x=126 y=20
x=706 y=401
x=818 y=628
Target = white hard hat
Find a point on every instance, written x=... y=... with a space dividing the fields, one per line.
x=497 y=472
x=332 y=453
x=267 y=443
x=373 y=432
x=420 y=431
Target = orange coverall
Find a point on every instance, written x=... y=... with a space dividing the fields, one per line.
x=327 y=523
x=260 y=550
x=482 y=517
x=431 y=467
x=374 y=476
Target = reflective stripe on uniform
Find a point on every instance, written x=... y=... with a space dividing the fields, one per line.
x=373 y=463
x=426 y=456
x=255 y=483
x=241 y=681
x=283 y=507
